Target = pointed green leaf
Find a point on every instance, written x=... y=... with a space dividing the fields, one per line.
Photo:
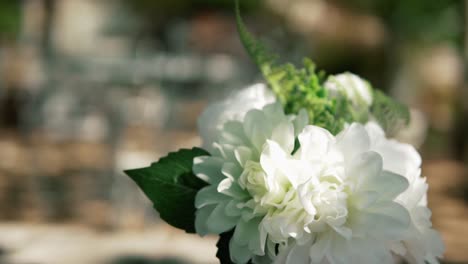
x=171 y=185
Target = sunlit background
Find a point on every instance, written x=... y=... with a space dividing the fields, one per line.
x=89 y=88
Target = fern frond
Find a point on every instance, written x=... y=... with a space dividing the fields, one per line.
x=390 y=114
x=298 y=88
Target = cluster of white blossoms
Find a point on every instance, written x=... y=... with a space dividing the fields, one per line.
x=294 y=193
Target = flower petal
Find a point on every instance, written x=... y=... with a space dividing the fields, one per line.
x=283 y=134
x=218 y=222
x=209 y=195
x=233 y=108
x=385 y=220
x=389 y=185
x=233 y=134
x=271 y=155
x=315 y=143
x=366 y=171
x=232 y=209
x=353 y=140
x=239 y=254
x=298 y=254
x=243 y=154
x=320 y=248
x=257 y=128
x=244 y=231
x=363 y=168
x=274 y=112
x=201 y=218
x=208 y=169
x=300 y=121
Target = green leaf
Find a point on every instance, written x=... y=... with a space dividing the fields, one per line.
x=223 y=247
x=390 y=114
x=171 y=185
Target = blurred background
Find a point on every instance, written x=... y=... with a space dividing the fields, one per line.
x=89 y=88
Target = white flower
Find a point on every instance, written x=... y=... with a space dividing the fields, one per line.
x=422 y=243
x=352 y=86
x=354 y=198
x=240 y=194
x=342 y=209
x=233 y=108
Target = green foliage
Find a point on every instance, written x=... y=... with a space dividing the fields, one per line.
x=298 y=88
x=10 y=14
x=416 y=20
x=390 y=114
x=171 y=185
x=256 y=50
x=303 y=88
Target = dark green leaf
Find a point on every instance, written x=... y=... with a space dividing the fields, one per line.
x=171 y=186
x=223 y=247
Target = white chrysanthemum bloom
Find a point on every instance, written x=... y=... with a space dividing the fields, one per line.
x=342 y=205
x=357 y=90
x=233 y=108
x=421 y=243
x=240 y=193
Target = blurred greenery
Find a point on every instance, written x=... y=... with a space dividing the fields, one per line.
x=10 y=14
x=417 y=20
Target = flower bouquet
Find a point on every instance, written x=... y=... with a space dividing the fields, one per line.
x=301 y=170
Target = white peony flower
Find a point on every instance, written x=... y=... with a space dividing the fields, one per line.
x=417 y=242
x=342 y=199
x=421 y=243
x=233 y=108
x=342 y=207
x=352 y=86
x=240 y=194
